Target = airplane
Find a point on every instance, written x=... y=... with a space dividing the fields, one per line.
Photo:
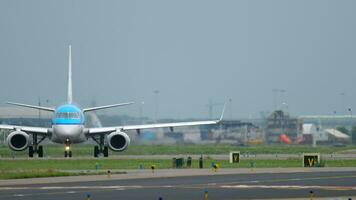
x=68 y=127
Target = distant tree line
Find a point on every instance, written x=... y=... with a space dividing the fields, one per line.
x=351 y=133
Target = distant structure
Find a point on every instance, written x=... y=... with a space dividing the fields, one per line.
x=233 y=132
x=279 y=123
x=16 y=112
x=211 y=106
x=336 y=136
x=24 y=116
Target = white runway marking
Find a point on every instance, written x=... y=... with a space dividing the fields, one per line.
x=12 y=188
x=168 y=186
x=72 y=187
x=118 y=187
x=89 y=187
x=288 y=187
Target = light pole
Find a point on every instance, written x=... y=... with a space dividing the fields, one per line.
x=156 y=92
x=141 y=111
x=275 y=98
x=342 y=94
x=281 y=93
x=350 y=111
x=230 y=103
x=39 y=111
x=284 y=107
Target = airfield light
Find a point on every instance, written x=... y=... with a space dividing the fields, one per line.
x=109 y=173
x=311 y=195
x=153 y=167
x=206 y=195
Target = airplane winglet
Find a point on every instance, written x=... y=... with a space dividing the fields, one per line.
x=222 y=114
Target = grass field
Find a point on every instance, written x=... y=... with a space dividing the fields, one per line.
x=25 y=168
x=87 y=150
x=16 y=174
x=90 y=164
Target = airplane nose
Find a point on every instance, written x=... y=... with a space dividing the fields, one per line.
x=70 y=132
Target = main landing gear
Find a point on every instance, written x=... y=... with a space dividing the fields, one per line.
x=67 y=151
x=35 y=148
x=100 y=148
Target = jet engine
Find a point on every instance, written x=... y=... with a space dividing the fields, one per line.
x=118 y=141
x=18 y=140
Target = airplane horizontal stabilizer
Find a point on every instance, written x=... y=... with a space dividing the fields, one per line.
x=32 y=106
x=108 y=106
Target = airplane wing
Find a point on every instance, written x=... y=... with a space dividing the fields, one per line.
x=27 y=129
x=106 y=130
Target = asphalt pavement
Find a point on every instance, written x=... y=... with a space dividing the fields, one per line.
x=333 y=184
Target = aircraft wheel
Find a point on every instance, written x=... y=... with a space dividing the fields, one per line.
x=106 y=152
x=96 y=151
x=65 y=154
x=40 y=151
x=70 y=154
x=30 y=151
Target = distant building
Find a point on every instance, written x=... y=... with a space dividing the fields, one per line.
x=233 y=131
x=24 y=116
x=311 y=132
x=336 y=136
x=281 y=123
x=19 y=112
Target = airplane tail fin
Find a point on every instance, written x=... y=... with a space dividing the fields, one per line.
x=69 y=83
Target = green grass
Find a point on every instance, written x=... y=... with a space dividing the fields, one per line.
x=16 y=174
x=40 y=173
x=224 y=148
x=29 y=168
x=90 y=164
x=87 y=150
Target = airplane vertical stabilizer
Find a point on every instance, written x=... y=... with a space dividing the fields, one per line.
x=69 y=86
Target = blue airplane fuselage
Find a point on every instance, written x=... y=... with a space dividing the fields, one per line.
x=68 y=124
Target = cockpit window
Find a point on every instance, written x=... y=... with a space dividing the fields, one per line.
x=68 y=115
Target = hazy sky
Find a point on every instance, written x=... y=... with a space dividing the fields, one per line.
x=191 y=51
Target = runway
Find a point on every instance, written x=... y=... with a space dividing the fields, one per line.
x=226 y=186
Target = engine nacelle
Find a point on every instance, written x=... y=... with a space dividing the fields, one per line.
x=18 y=140
x=118 y=141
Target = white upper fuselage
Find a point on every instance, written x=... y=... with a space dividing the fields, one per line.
x=68 y=124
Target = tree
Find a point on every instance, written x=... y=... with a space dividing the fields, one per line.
x=342 y=129
x=353 y=134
